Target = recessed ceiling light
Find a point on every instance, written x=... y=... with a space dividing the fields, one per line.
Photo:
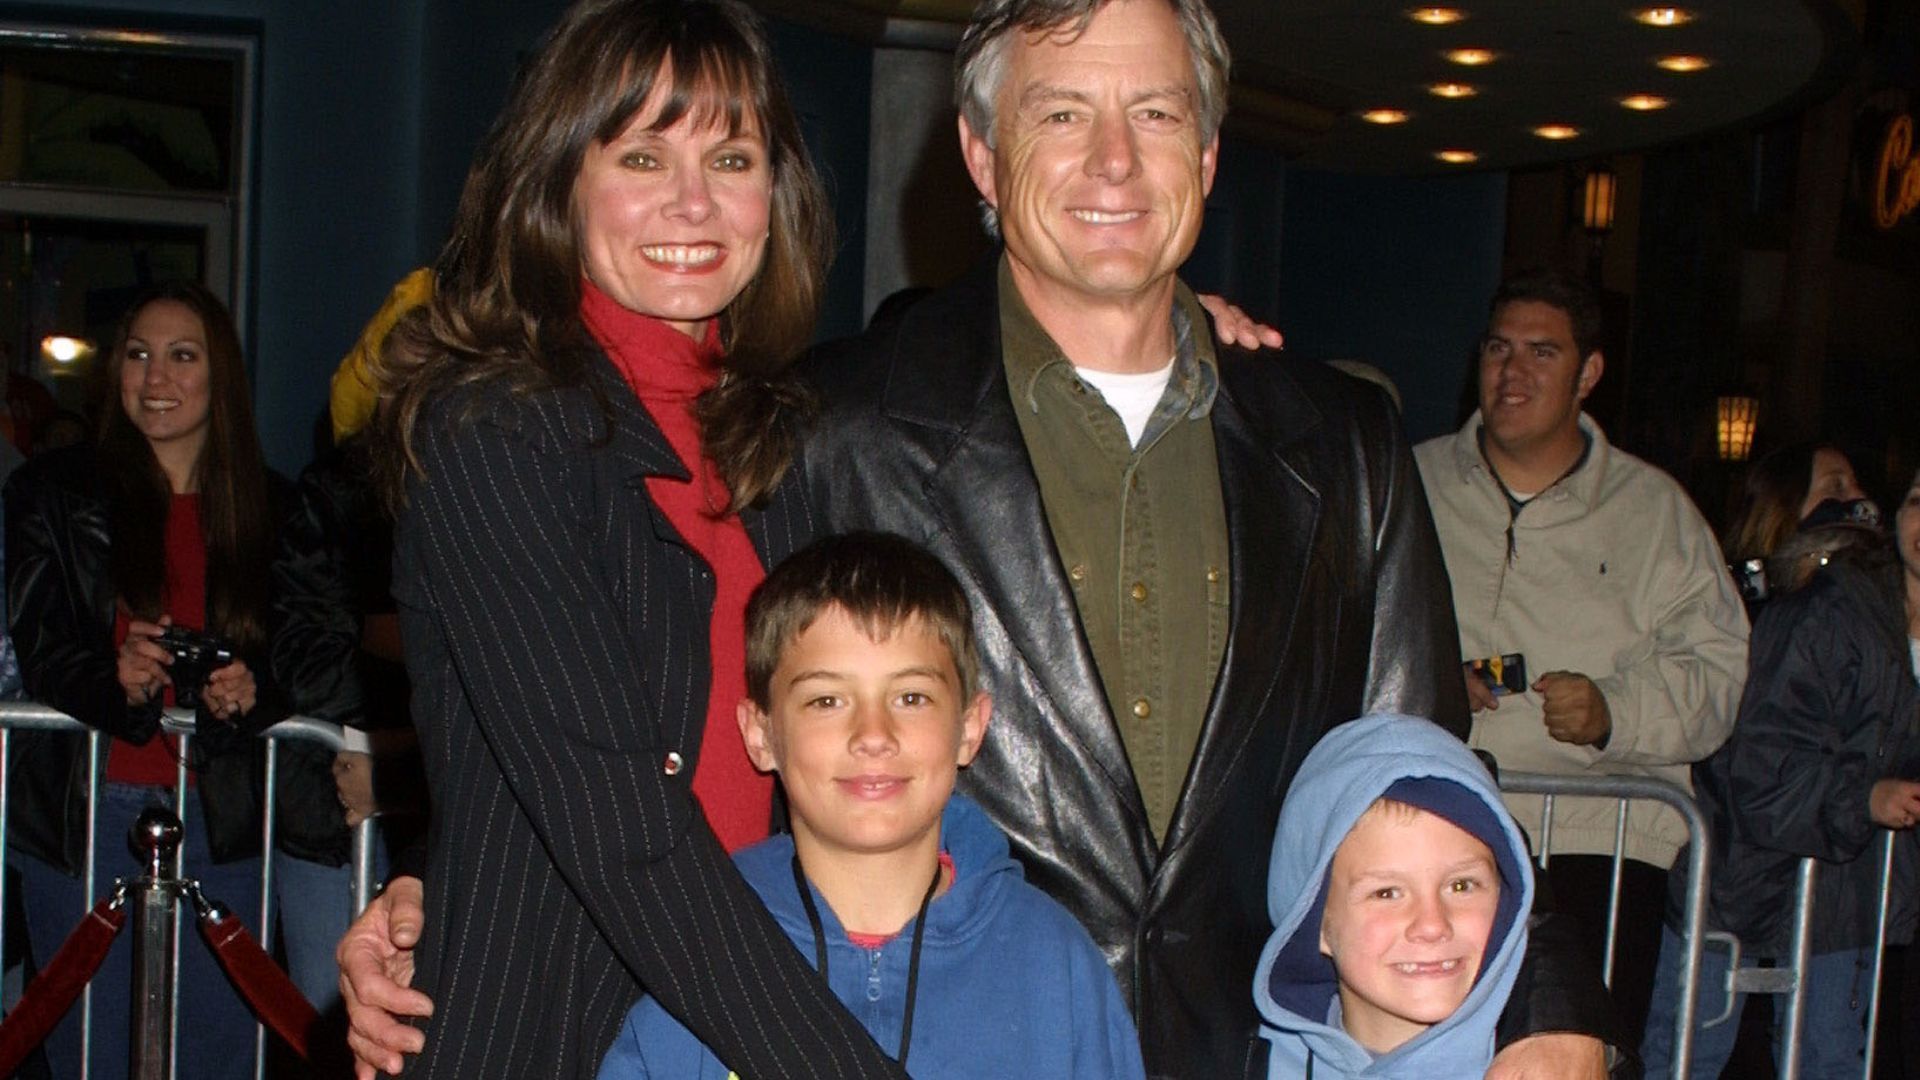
x=1452 y=90
x=1457 y=157
x=1663 y=16
x=1684 y=64
x=1556 y=132
x=1385 y=116
x=1471 y=57
x=1436 y=16
x=1644 y=102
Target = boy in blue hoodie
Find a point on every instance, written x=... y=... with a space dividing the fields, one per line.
x=1398 y=889
x=863 y=697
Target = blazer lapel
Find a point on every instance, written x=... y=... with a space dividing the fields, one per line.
x=1273 y=514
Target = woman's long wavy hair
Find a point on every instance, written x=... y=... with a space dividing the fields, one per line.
x=507 y=285
x=236 y=517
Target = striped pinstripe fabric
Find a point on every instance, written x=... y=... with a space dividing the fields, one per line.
x=554 y=626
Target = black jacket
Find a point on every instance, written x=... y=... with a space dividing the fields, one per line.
x=61 y=601
x=1830 y=707
x=556 y=632
x=1339 y=607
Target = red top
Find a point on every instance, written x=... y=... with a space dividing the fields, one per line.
x=184 y=596
x=668 y=370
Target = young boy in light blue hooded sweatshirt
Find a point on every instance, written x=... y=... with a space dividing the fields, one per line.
x=1398 y=889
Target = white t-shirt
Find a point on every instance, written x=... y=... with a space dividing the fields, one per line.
x=1132 y=397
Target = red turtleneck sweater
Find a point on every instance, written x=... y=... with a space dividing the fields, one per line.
x=668 y=370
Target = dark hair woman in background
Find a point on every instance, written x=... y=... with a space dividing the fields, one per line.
x=584 y=423
x=1780 y=490
x=169 y=521
x=1825 y=752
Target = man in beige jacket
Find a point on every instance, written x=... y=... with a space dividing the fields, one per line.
x=1596 y=570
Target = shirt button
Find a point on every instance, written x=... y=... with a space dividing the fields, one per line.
x=1140 y=591
x=1079 y=572
x=1141 y=709
x=673 y=763
x=1213 y=575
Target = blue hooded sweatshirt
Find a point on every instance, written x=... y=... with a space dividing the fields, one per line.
x=1010 y=985
x=1295 y=987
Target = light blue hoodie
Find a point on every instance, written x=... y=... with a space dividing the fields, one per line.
x=1296 y=988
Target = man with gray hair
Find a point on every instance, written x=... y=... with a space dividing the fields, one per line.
x=1186 y=565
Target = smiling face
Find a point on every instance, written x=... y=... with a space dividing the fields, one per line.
x=673 y=223
x=1411 y=900
x=1532 y=381
x=1906 y=533
x=867 y=736
x=165 y=381
x=1097 y=167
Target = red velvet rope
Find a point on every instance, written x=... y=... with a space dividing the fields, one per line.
x=53 y=990
x=274 y=998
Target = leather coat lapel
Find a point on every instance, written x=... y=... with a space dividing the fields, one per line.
x=1273 y=514
x=991 y=512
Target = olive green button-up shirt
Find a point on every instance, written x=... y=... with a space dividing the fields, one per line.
x=1141 y=530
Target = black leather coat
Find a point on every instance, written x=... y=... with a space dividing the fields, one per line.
x=61 y=602
x=1339 y=607
x=1830 y=707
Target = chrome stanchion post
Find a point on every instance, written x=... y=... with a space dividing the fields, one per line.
x=155 y=901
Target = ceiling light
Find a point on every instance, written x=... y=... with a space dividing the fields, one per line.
x=1384 y=116
x=1436 y=16
x=1644 y=102
x=60 y=349
x=1471 y=57
x=1663 y=16
x=1452 y=90
x=1556 y=132
x=1684 y=64
x=1457 y=157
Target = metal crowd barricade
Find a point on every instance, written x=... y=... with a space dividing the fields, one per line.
x=26 y=715
x=1789 y=981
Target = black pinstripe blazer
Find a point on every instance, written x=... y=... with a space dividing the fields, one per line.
x=555 y=629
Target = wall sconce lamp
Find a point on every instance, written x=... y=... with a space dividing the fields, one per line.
x=1596 y=200
x=1738 y=416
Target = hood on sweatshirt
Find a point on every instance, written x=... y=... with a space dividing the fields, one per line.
x=1295 y=986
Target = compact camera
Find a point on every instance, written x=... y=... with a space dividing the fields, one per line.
x=196 y=655
x=1505 y=674
x=1751 y=576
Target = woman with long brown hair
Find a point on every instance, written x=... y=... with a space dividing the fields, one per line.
x=169 y=522
x=581 y=434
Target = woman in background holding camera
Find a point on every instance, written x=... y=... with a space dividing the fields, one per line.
x=168 y=523
x=1780 y=490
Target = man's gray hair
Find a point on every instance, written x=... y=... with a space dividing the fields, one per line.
x=980 y=63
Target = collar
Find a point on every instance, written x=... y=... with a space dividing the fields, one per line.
x=1030 y=353
x=1582 y=483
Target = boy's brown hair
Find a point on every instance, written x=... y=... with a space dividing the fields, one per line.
x=881 y=580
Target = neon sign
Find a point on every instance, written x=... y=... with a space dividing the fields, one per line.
x=1896 y=179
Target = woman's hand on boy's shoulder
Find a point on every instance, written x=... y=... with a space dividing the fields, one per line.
x=1552 y=1056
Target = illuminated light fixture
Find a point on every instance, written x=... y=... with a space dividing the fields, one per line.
x=1452 y=90
x=1436 y=16
x=1385 y=116
x=1663 y=16
x=1596 y=200
x=1457 y=157
x=63 y=350
x=1738 y=416
x=1471 y=57
x=1557 y=132
x=1685 y=63
x=1644 y=102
